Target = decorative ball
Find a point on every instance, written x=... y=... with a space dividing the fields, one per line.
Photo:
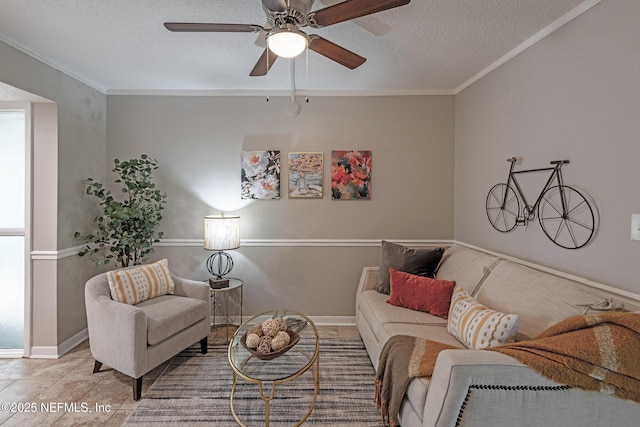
x=280 y=341
x=265 y=338
x=265 y=345
x=270 y=327
x=281 y=323
x=256 y=329
x=253 y=340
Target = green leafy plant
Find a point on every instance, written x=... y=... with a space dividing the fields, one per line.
x=126 y=230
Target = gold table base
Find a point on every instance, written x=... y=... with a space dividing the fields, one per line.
x=315 y=364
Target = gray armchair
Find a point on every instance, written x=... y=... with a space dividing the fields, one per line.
x=134 y=339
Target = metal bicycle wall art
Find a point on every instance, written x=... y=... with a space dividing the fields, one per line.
x=565 y=214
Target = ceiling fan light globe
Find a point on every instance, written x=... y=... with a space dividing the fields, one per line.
x=287 y=43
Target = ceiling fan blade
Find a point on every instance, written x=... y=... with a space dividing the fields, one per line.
x=212 y=28
x=334 y=52
x=351 y=9
x=275 y=5
x=262 y=67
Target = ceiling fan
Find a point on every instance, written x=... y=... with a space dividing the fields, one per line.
x=284 y=37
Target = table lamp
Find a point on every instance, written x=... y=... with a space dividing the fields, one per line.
x=221 y=233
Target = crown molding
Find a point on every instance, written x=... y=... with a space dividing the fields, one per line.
x=279 y=93
x=45 y=61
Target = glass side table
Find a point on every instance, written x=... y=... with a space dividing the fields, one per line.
x=223 y=314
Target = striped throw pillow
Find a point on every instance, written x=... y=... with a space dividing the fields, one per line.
x=477 y=326
x=135 y=285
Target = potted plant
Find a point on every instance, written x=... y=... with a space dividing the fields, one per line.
x=127 y=229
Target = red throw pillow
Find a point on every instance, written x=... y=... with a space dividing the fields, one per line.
x=432 y=296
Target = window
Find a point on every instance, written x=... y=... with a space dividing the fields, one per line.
x=12 y=228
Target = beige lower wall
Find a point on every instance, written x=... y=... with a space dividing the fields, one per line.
x=44 y=303
x=73 y=272
x=317 y=281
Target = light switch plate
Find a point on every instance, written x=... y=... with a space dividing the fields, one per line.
x=635 y=226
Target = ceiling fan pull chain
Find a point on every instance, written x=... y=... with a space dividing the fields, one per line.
x=306 y=72
x=292 y=107
x=293 y=80
x=267 y=74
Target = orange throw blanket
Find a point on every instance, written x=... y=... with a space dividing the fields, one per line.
x=596 y=353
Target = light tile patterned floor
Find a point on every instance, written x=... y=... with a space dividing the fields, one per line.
x=65 y=392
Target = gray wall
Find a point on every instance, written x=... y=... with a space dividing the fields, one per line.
x=69 y=145
x=574 y=95
x=198 y=141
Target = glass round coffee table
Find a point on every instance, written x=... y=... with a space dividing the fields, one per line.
x=268 y=374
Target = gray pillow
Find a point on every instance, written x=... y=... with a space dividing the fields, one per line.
x=421 y=262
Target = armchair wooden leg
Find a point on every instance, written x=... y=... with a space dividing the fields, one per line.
x=137 y=388
x=204 y=343
x=97 y=366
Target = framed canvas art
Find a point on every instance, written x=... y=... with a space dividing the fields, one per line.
x=350 y=175
x=260 y=177
x=305 y=175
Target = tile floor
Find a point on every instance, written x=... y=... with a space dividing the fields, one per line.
x=65 y=392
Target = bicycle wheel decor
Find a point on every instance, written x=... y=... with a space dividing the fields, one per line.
x=502 y=216
x=573 y=229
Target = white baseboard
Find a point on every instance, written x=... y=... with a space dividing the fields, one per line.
x=55 y=352
x=334 y=320
x=44 y=352
x=73 y=342
x=11 y=354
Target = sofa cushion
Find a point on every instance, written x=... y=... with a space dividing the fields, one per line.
x=540 y=299
x=467 y=267
x=477 y=326
x=376 y=311
x=170 y=314
x=421 y=262
x=134 y=285
x=420 y=293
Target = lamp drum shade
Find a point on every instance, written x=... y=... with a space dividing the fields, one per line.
x=221 y=233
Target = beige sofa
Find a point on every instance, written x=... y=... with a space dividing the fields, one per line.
x=485 y=388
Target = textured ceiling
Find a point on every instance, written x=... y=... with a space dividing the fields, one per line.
x=427 y=46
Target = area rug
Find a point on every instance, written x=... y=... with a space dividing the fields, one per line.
x=194 y=390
